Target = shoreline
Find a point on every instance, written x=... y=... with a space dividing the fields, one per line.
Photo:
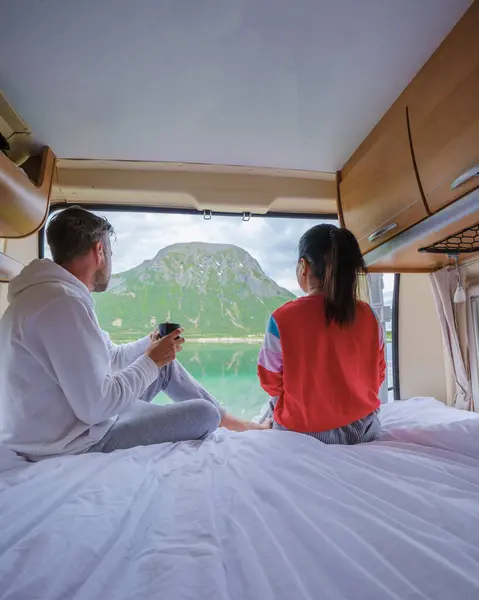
x=226 y=340
x=200 y=340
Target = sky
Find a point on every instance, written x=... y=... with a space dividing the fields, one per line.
x=272 y=242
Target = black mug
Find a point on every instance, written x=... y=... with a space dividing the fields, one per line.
x=167 y=328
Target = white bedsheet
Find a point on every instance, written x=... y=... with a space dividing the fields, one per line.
x=259 y=515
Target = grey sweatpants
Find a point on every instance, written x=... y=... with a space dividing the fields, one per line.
x=194 y=414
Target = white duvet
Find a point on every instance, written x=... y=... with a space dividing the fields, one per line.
x=259 y=515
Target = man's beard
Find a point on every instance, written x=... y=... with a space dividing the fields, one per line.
x=101 y=280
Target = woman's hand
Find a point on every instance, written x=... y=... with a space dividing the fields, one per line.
x=163 y=351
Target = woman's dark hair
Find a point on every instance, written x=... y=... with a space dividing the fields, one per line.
x=72 y=232
x=336 y=260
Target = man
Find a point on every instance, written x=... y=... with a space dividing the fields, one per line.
x=65 y=388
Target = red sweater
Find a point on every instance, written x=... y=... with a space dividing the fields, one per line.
x=324 y=376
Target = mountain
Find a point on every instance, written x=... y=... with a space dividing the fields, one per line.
x=210 y=289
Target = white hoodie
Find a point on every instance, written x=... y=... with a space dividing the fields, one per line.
x=62 y=381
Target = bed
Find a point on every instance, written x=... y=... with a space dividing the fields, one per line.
x=257 y=515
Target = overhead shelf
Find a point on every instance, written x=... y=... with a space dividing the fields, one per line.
x=25 y=194
x=464 y=242
x=447 y=225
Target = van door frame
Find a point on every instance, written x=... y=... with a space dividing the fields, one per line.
x=395 y=340
x=473 y=340
x=54 y=207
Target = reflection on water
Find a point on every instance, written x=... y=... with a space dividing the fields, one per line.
x=228 y=371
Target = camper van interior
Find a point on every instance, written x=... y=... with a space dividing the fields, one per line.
x=211 y=136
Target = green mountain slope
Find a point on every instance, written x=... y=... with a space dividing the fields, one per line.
x=211 y=289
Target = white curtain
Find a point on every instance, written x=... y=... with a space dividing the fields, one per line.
x=444 y=285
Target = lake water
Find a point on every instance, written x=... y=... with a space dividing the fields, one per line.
x=228 y=371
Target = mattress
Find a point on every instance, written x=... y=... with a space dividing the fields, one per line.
x=255 y=515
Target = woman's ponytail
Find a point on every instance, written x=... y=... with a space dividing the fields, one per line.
x=343 y=265
x=336 y=260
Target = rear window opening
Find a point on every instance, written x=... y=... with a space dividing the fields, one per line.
x=220 y=278
x=382 y=299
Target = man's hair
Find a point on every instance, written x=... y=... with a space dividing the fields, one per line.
x=74 y=231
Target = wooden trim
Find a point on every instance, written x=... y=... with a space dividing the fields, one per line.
x=25 y=204
x=340 y=206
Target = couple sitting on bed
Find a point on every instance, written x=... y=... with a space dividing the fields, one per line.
x=65 y=388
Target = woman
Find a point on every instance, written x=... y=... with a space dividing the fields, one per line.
x=322 y=360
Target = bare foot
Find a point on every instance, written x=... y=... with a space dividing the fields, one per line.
x=266 y=424
x=234 y=424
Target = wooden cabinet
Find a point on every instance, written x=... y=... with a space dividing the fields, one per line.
x=424 y=153
x=24 y=203
x=443 y=103
x=379 y=191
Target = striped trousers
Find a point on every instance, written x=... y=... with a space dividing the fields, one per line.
x=357 y=432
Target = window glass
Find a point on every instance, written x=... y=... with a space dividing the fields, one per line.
x=475 y=320
x=474 y=344
x=381 y=290
x=219 y=278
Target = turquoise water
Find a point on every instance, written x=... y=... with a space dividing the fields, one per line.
x=228 y=371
